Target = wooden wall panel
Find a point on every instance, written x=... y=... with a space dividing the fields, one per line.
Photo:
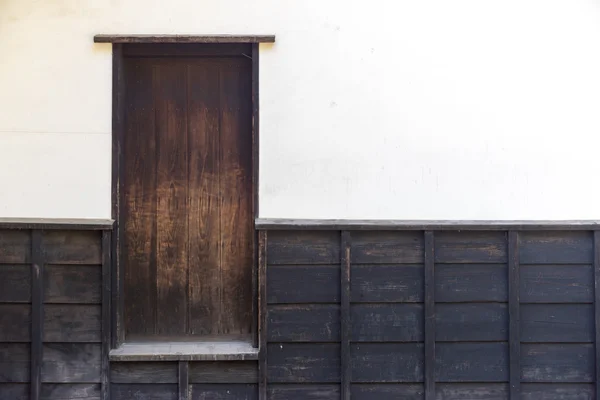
x=557 y=363
x=143 y=372
x=480 y=322
x=14 y=391
x=78 y=391
x=223 y=392
x=557 y=323
x=471 y=283
x=470 y=247
x=298 y=247
x=223 y=372
x=387 y=283
x=387 y=362
x=557 y=391
x=15 y=246
x=303 y=392
x=472 y=391
x=393 y=322
x=15 y=323
x=388 y=391
x=471 y=362
x=303 y=363
x=71 y=362
x=15 y=283
x=556 y=247
x=387 y=247
x=143 y=391
x=303 y=323
x=72 y=247
x=80 y=284
x=320 y=284
x=72 y=323
x=557 y=284
x=15 y=359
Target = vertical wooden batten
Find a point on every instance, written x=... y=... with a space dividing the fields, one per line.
x=183 y=380
x=117 y=301
x=106 y=312
x=262 y=312
x=255 y=137
x=429 y=307
x=346 y=365
x=597 y=308
x=514 y=316
x=37 y=312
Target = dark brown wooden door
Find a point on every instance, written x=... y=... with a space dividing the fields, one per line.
x=187 y=197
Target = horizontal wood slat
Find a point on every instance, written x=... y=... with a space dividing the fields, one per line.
x=471 y=322
x=557 y=391
x=80 y=284
x=303 y=323
x=387 y=362
x=387 y=322
x=223 y=392
x=557 y=323
x=322 y=284
x=472 y=391
x=15 y=246
x=387 y=247
x=557 y=284
x=223 y=372
x=15 y=362
x=470 y=247
x=303 y=362
x=556 y=248
x=72 y=247
x=72 y=323
x=387 y=283
x=473 y=362
x=303 y=391
x=64 y=391
x=292 y=248
x=471 y=283
x=143 y=372
x=15 y=322
x=15 y=283
x=15 y=391
x=557 y=363
x=388 y=391
x=143 y=391
x=71 y=362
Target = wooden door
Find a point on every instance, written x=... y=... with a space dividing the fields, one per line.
x=187 y=243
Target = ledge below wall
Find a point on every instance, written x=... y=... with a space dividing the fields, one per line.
x=56 y=223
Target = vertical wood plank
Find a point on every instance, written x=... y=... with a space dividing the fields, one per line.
x=37 y=312
x=203 y=180
x=170 y=84
x=184 y=392
x=118 y=94
x=514 y=315
x=346 y=364
x=262 y=312
x=235 y=170
x=597 y=307
x=429 y=309
x=106 y=307
x=138 y=207
x=255 y=138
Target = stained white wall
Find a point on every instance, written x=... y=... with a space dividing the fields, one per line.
x=462 y=109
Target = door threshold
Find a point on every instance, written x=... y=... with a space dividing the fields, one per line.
x=226 y=350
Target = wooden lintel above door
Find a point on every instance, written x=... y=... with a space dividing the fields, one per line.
x=108 y=38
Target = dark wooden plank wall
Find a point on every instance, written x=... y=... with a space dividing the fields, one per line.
x=51 y=314
x=430 y=314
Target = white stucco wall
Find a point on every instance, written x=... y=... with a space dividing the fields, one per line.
x=463 y=109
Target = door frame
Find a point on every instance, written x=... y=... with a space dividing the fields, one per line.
x=121 y=50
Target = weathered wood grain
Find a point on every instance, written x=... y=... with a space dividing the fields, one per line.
x=138 y=199
x=387 y=322
x=388 y=391
x=345 y=315
x=15 y=246
x=204 y=206
x=429 y=314
x=557 y=391
x=223 y=392
x=514 y=316
x=387 y=247
x=72 y=247
x=564 y=247
x=24 y=224
x=143 y=372
x=171 y=197
x=472 y=391
x=185 y=50
x=71 y=363
x=303 y=323
x=235 y=174
x=15 y=323
x=303 y=392
x=297 y=248
x=303 y=363
x=15 y=283
x=81 y=284
x=219 y=39
x=471 y=322
x=144 y=391
x=557 y=284
x=37 y=311
x=321 y=284
x=183 y=383
x=471 y=362
x=387 y=362
x=470 y=247
x=557 y=323
x=224 y=372
x=72 y=323
x=261 y=264
x=62 y=391
x=471 y=283
x=15 y=362
x=14 y=391
x=557 y=363
x=387 y=283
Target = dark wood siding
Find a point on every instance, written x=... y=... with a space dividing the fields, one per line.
x=187 y=196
